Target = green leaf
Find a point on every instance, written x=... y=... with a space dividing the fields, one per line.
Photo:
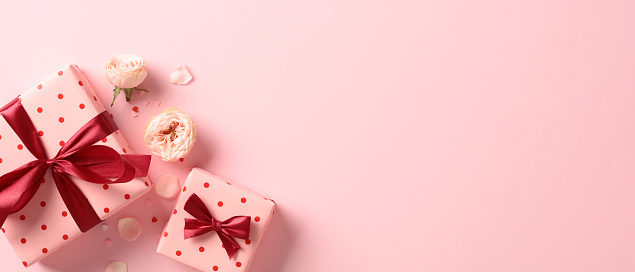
x=142 y=90
x=117 y=91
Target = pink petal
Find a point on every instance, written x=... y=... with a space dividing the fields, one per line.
x=129 y=228
x=157 y=102
x=180 y=75
x=117 y=267
x=108 y=242
x=146 y=102
x=134 y=114
x=167 y=186
x=148 y=202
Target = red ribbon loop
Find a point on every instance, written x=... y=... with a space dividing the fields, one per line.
x=237 y=226
x=78 y=158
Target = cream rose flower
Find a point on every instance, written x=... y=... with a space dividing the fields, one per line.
x=170 y=135
x=126 y=72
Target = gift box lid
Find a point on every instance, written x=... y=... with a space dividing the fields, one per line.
x=224 y=200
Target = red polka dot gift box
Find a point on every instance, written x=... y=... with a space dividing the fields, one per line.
x=63 y=167
x=216 y=225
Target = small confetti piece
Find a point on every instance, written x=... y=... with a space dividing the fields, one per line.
x=129 y=228
x=104 y=227
x=146 y=102
x=117 y=267
x=134 y=114
x=157 y=102
x=167 y=186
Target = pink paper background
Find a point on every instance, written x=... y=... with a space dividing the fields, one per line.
x=393 y=135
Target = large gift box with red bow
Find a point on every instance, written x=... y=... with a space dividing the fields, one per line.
x=64 y=166
x=216 y=225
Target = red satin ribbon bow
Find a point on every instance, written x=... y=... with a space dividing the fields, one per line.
x=78 y=158
x=237 y=226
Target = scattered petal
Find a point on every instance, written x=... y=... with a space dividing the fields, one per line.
x=104 y=227
x=134 y=114
x=129 y=228
x=167 y=186
x=148 y=202
x=141 y=93
x=157 y=102
x=135 y=109
x=108 y=242
x=146 y=102
x=117 y=267
x=180 y=75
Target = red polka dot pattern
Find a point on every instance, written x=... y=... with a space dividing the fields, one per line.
x=126 y=196
x=248 y=241
x=106 y=210
x=43 y=227
x=43 y=203
x=104 y=140
x=178 y=253
x=206 y=185
x=220 y=203
x=65 y=237
x=22 y=217
x=40 y=109
x=105 y=186
x=62 y=143
x=181 y=159
x=60 y=96
x=238 y=264
x=243 y=200
x=64 y=213
x=60 y=73
x=2 y=230
x=257 y=218
x=82 y=106
x=165 y=234
x=184 y=188
x=44 y=250
x=201 y=249
x=174 y=212
x=154 y=219
x=39 y=86
x=20 y=147
x=215 y=268
x=80 y=83
x=40 y=133
x=24 y=263
x=61 y=119
x=23 y=240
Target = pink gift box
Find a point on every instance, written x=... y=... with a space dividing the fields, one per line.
x=224 y=200
x=58 y=107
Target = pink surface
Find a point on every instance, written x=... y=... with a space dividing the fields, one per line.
x=393 y=135
x=223 y=200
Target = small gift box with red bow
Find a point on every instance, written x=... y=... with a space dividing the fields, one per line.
x=216 y=225
x=64 y=166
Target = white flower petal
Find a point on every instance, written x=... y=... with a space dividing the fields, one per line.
x=117 y=267
x=180 y=75
x=167 y=186
x=129 y=228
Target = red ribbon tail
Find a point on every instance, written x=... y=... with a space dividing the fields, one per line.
x=78 y=205
x=230 y=245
